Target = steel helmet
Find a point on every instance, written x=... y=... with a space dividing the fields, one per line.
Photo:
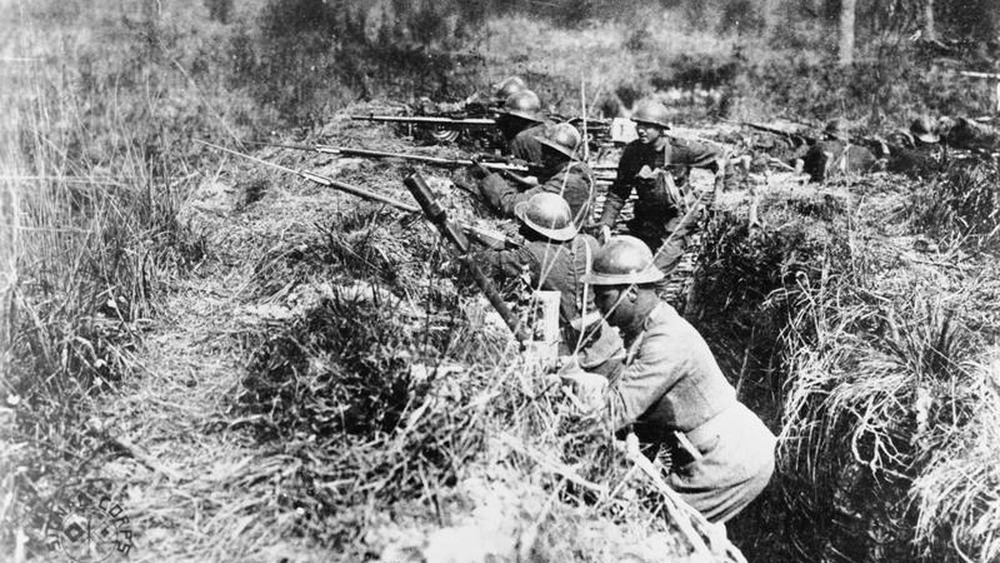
x=837 y=129
x=652 y=113
x=563 y=138
x=547 y=214
x=623 y=260
x=923 y=128
x=524 y=104
x=508 y=86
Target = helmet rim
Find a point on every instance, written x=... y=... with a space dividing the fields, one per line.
x=562 y=234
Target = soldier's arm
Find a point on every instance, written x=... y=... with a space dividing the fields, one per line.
x=621 y=189
x=498 y=194
x=655 y=369
x=696 y=154
x=503 y=263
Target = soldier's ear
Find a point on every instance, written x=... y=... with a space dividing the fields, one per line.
x=633 y=293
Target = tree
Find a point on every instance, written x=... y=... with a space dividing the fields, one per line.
x=847 y=9
x=929 y=33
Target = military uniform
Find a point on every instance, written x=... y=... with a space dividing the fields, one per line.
x=560 y=266
x=832 y=158
x=525 y=146
x=968 y=134
x=672 y=384
x=573 y=181
x=657 y=211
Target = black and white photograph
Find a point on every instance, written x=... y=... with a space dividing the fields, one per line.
x=500 y=281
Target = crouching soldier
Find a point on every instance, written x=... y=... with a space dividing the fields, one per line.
x=556 y=259
x=561 y=173
x=671 y=393
x=657 y=167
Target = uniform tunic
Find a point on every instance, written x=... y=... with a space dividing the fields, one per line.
x=560 y=266
x=672 y=382
x=524 y=146
x=573 y=181
x=656 y=212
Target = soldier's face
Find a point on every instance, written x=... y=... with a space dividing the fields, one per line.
x=615 y=303
x=648 y=133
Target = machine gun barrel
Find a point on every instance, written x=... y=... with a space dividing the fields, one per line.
x=425 y=120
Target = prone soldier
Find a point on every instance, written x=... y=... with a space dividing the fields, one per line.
x=835 y=155
x=923 y=153
x=561 y=172
x=520 y=123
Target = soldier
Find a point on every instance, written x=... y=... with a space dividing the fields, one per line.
x=520 y=123
x=923 y=154
x=476 y=104
x=507 y=88
x=835 y=155
x=968 y=134
x=561 y=173
x=557 y=258
x=657 y=167
x=671 y=393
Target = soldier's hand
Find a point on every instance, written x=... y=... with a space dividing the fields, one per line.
x=478 y=171
x=588 y=388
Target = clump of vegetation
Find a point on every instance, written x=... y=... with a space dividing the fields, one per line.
x=963 y=203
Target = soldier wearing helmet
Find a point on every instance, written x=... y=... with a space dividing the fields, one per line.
x=519 y=122
x=656 y=166
x=557 y=256
x=835 y=155
x=672 y=393
x=508 y=87
x=561 y=173
x=923 y=154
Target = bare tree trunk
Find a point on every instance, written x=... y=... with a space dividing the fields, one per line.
x=847 y=32
x=769 y=14
x=929 y=33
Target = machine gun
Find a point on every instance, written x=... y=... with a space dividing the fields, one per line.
x=435 y=121
x=600 y=132
x=485 y=237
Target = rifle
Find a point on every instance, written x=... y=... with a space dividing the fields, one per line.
x=794 y=138
x=798 y=139
x=437 y=215
x=510 y=168
x=488 y=238
x=507 y=165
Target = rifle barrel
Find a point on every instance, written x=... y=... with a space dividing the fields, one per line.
x=322 y=180
x=367 y=153
x=426 y=120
